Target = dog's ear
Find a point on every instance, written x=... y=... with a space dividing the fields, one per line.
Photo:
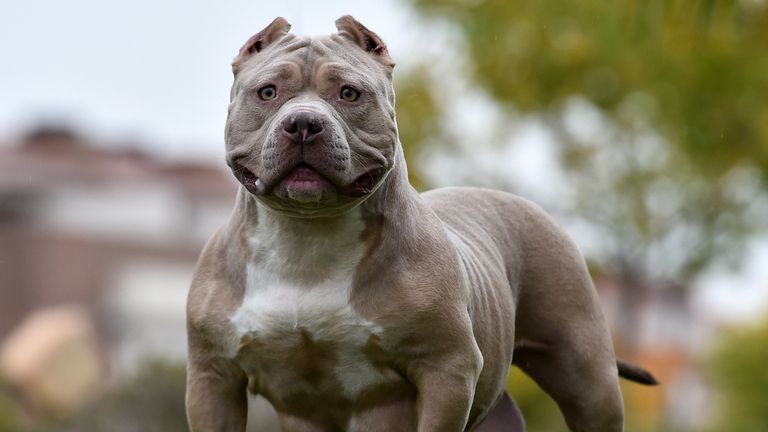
x=274 y=31
x=367 y=40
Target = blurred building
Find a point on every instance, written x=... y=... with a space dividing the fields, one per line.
x=108 y=228
x=656 y=328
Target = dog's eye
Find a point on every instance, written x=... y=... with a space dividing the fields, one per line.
x=268 y=92
x=349 y=94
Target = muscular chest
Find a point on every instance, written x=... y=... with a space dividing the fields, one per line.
x=298 y=337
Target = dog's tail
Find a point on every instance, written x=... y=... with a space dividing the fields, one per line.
x=635 y=373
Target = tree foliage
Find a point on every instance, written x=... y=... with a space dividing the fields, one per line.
x=700 y=67
x=738 y=368
x=152 y=400
x=676 y=147
x=417 y=114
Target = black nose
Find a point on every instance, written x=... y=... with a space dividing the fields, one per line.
x=302 y=127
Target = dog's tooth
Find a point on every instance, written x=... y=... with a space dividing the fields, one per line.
x=260 y=186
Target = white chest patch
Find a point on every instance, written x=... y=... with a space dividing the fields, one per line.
x=296 y=308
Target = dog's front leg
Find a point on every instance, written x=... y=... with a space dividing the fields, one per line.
x=446 y=388
x=217 y=398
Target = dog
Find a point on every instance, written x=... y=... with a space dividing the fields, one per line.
x=352 y=302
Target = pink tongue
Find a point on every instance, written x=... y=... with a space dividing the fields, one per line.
x=304 y=183
x=305 y=174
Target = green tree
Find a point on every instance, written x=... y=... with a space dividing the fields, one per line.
x=152 y=400
x=667 y=171
x=701 y=65
x=418 y=119
x=737 y=366
x=9 y=412
x=679 y=88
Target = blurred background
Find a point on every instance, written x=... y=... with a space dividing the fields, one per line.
x=641 y=126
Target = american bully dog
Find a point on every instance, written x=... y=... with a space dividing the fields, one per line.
x=353 y=303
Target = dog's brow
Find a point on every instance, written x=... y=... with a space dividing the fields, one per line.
x=336 y=72
x=283 y=71
x=287 y=70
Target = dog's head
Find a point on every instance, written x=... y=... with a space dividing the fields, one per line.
x=311 y=128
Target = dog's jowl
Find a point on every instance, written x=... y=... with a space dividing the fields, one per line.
x=351 y=302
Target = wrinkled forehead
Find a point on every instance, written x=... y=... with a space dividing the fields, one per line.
x=320 y=58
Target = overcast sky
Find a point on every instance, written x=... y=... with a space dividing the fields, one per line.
x=157 y=72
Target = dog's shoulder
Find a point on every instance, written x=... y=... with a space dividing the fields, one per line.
x=215 y=290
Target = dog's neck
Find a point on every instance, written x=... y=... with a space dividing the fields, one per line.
x=311 y=242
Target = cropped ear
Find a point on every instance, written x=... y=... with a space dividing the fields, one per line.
x=364 y=38
x=274 y=31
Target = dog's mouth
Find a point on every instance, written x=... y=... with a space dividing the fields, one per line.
x=304 y=183
x=364 y=184
x=252 y=183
